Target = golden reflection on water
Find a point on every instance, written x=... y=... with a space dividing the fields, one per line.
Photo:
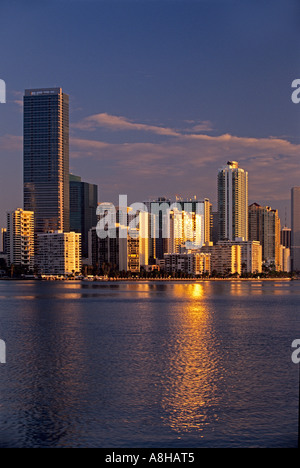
x=190 y=387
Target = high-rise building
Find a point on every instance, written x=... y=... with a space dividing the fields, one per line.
x=126 y=246
x=233 y=202
x=185 y=229
x=286 y=237
x=3 y=240
x=20 y=238
x=59 y=253
x=264 y=226
x=285 y=259
x=83 y=207
x=215 y=227
x=46 y=158
x=161 y=222
x=295 y=228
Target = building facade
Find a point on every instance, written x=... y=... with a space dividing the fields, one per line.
x=189 y=263
x=46 y=158
x=3 y=240
x=264 y=226
x=251 y=255
x=185 y=228
x=286 y=237
x=225 y=260
x=83 y=207
x=285 y=259
x=233 y=202
x=161 y=223
x=20 y=238
x=59 y=253
x=124 y=248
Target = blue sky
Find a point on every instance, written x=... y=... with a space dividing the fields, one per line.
x=162 y=93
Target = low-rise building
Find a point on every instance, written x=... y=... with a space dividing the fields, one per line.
x=59 y=253
x=225 y=258
x=251 y=255
x=190 y=263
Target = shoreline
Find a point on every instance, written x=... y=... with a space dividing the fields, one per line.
x=145 y=280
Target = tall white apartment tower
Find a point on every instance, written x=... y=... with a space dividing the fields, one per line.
x=20 y=238
x=233 y=202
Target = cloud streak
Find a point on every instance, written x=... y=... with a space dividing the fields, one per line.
x=119 y=123
x=116 y=123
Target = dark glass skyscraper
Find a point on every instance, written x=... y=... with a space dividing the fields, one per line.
x=46 y=158
x=83 y=207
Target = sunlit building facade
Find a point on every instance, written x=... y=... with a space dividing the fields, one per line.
x=225 y=260
x=46 y=158
x=59 y=253
x=125 y=248
x=265 y=227
x=186 y=228
x=3 y=240
x=189 y=263
x=233 y=202
x=20 y=238
x=251 y=255
x=168 y=230
x=285 y=259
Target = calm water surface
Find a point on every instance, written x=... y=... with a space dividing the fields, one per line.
x=189 y=365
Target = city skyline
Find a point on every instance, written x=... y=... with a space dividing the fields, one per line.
x=150 y=226
x=161 y=95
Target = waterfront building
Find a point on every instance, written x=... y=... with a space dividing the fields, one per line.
x=192 y=263
x=215 y=227
x=285 y=259
x=186 y=228
x=125 y=247
x=59 y=253
x=46 y=158
x=83 y=207
x=251 y=255
x=286 y=237
x=225 y=260
x=264 y=226
x=20 y=238
x=160 y=240
x=3 y=240
x=233 y=202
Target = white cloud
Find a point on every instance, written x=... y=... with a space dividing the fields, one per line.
x=116 y=123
